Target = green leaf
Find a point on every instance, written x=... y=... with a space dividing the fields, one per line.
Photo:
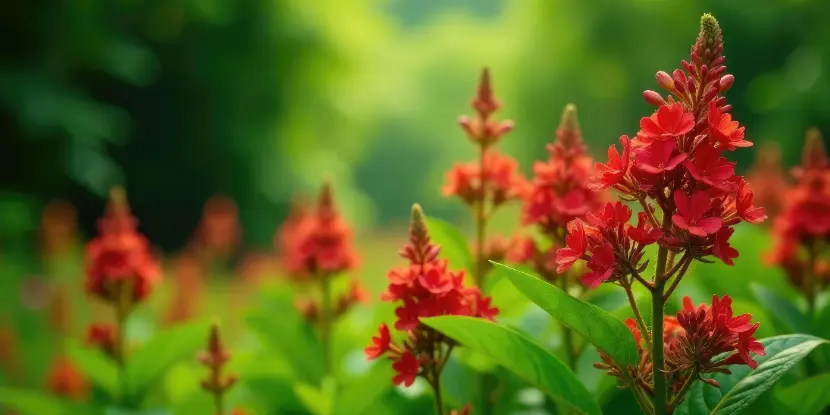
x=521 y=355
x=786 y=314
x=744 y=385
x=357 y=397
x=317 y=401
x=597 y=326
x=28 y=402
x=99 y=368
x=147 y=365
x=454 y=247
x=808 y=397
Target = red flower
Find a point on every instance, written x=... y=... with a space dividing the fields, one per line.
x=721 y=247
x=380 y=343
x=723 y=130
x=576 y=245
x=632 y=325
x=748 y=344
x=406 y=369
x=323 y=242
x=436 y=279
x=710 y=168
x=668 y=122
x=644 y=233
x=102 y=336
x=746 y=210
x=408 y=315
x=611 y=173
x=601 y=265
x=659 y=157
x=692 y=213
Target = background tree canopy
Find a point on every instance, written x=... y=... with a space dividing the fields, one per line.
x=260 y=99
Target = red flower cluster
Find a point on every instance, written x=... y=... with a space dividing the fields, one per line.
x=692 y=342
x=677 y=160
x=803 y=226
x=119 y=263
x=767 y=178
x=557 y=194
x=64 y=379
x=494 y=178
x=558 y=191
x=426 y=288
x=316 y=243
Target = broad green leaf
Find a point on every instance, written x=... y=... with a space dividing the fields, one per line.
x=596 y=325
x=148 y=364
x=744 y=385
x=357 y=397
x=808 y=397
x=786 y=314
x=28 y=402
x=454 y=247
x=521 y=355
x=317 y=401
x=97 y=366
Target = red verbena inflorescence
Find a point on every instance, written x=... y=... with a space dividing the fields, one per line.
x=214 y=357
x=698 y=340
x=802 y=228
x=424 y=288
x=119 y=264
x=494 y=178
x=677 y=161
x=557 y=193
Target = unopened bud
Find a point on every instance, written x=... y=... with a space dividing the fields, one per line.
x=569 y=121
x=679 y=80
x=326 y=200
x=653 y=98
x=664 y=80
x=711 y=93
x=505 y=127
x=710 y=30
x=418 y=224
x=726 y=82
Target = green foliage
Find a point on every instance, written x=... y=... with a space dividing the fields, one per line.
x=786 y=314
x=523 y=356
x=454 y=247
x=597 y=326
x=739 y=389
x=27 y=402
x=95 y=365
x=808 y=397
x=148 y=364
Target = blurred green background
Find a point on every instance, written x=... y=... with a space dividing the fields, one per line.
x=261 y=99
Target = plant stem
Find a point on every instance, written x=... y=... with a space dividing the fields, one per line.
x=679 y=396
x=481 y=227
x=217 y=402
x=436 y=388
x=325 y=322
x=657 y=303
x=638 y=317
x=122 y=309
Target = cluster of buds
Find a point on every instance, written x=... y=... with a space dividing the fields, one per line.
x=103 y=337
x=218 y=233
x=214 y=358
x=120 y=269
x=64 y=379
x=699 y=340
x=558 y=193
x=676 y=169
x=425 y=288
x=315 y=244
x=493 y=179
x=802 y=229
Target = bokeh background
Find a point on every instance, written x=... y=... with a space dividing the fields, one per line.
x=261 y=99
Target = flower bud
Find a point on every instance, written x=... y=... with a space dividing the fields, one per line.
x=711 y=93
x=679 y=80
x=814 y=155
x=664 y=80
x=653 y=98
x=726 y=82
